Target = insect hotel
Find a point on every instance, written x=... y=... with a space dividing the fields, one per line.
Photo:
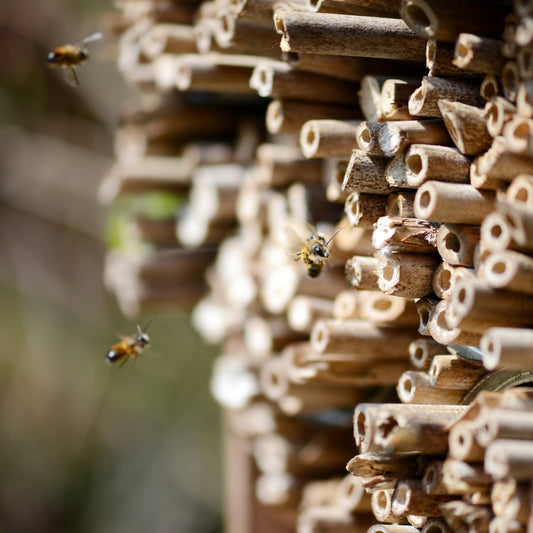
x=392 y=392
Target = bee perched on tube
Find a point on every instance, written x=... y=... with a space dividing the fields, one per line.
x=129 y=347
x=313 y=251
x=70 y=56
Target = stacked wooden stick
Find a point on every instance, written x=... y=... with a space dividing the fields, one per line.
x=415 y=116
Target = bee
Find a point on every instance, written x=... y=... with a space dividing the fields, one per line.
x=129 y=347
x=69 y=56
x=313 y=251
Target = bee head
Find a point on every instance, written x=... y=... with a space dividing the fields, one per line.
x=143 y=339
x=83 y=55
x=53 y=57
x=319 y=250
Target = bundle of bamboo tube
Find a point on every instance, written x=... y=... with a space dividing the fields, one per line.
x=407 y=125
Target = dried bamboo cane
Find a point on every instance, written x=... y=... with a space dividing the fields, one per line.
x=452 y=372
x=509 y=270
x=439 y=61
x=304 y=310
x=445 y=278
x=490 y=87
x=510 y=79
x=366 y=174
x=479 y=54
x=414 y=387
x=495 y=233
x=521 y=190
x=409 y=498
x=507 y=347
x=388 y=310
x=498 y=111
x=508 y=458
x=510 y=501
x=370 y=96
x=364 y=210
x=288 y=116
x=405 y=235
x=401 y=204
x=407 y=275
x=450 y=202
x=392 y=528
x=456 y=243
x=524 y=97
x=347 y=35
x=382 y=507
x=520 y=221
x=422 y=351
x=424 y=101
x=466 y=125
x=394 y=100
x=426 y=162
x=432 y=19
x=346 y=305
x=367 y=135
x=443 y=333
x=328 y=138
x=462 y=442
x=361 y=272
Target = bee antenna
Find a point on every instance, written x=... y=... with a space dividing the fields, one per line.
x=145 y=326
x=333 y=236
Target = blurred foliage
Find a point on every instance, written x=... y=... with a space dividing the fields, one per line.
x=84 y=446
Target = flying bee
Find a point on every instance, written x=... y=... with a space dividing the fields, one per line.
x=69 y=56
x=129 y=347
x=313 y=251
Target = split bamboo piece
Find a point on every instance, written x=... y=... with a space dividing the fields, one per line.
x=479 y=54
x=394 y=98
x=366 y=174
x=466 y=125
x=345 y=35
x=432 y=19
x=370 y=97
x=502 y=347
x=405 y=235
x=450 y=202
x=424 y=101
x=364 y=210
x=401 y=204
x=426 y=162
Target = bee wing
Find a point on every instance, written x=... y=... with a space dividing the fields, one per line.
x=93 y=37
x=294 y=242
x=72 y=77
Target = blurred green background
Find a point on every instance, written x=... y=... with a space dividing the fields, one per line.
x=84 y=447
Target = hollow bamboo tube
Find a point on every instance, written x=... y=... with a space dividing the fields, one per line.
x=495 y=233
x=497 y=423
x=509 y=270
x=356 y=241
x=396 y=173
x=479 y=54
x=509 y=46
x=361 y=338
x=367 y=134
x=436 y=525
x=452 y=372
x=520 y=221
x=432 y=481
x=426 y=162
x=347 y=35
x=424 y=101
x=304 y=310
x=364 y=210
x=414 y=387
x=388 y=310
x=366 y=174
x=422 y=351
x=355 y=7
x=518 y=134
x=401 y=204
x=381 y=502
x=288 y=116
x=351 y=495
x=462 y=442
x=394 y=98
x=509 y=458
x=409 y=498
x=490 y=87
x=422 y=431
x=466 y=125
x=461 y=477
x=502 y=347
x=521 y=190
x=456 y=243
x=407 y=275
x=346 y=305
x=360 y=272
x=477 y=307
x=463 y=516
x=396 y=136
x=498 y=111
x=405 y=235
x=168 y=39
x=425 y=308
x=279 y=80
x=439 y=61
x=328 y=138
x=433 y=19
x=443 y=333
x=445 y=278
x=451 y=202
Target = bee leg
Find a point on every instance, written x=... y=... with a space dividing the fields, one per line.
x=72 y=77
x=123 y=362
